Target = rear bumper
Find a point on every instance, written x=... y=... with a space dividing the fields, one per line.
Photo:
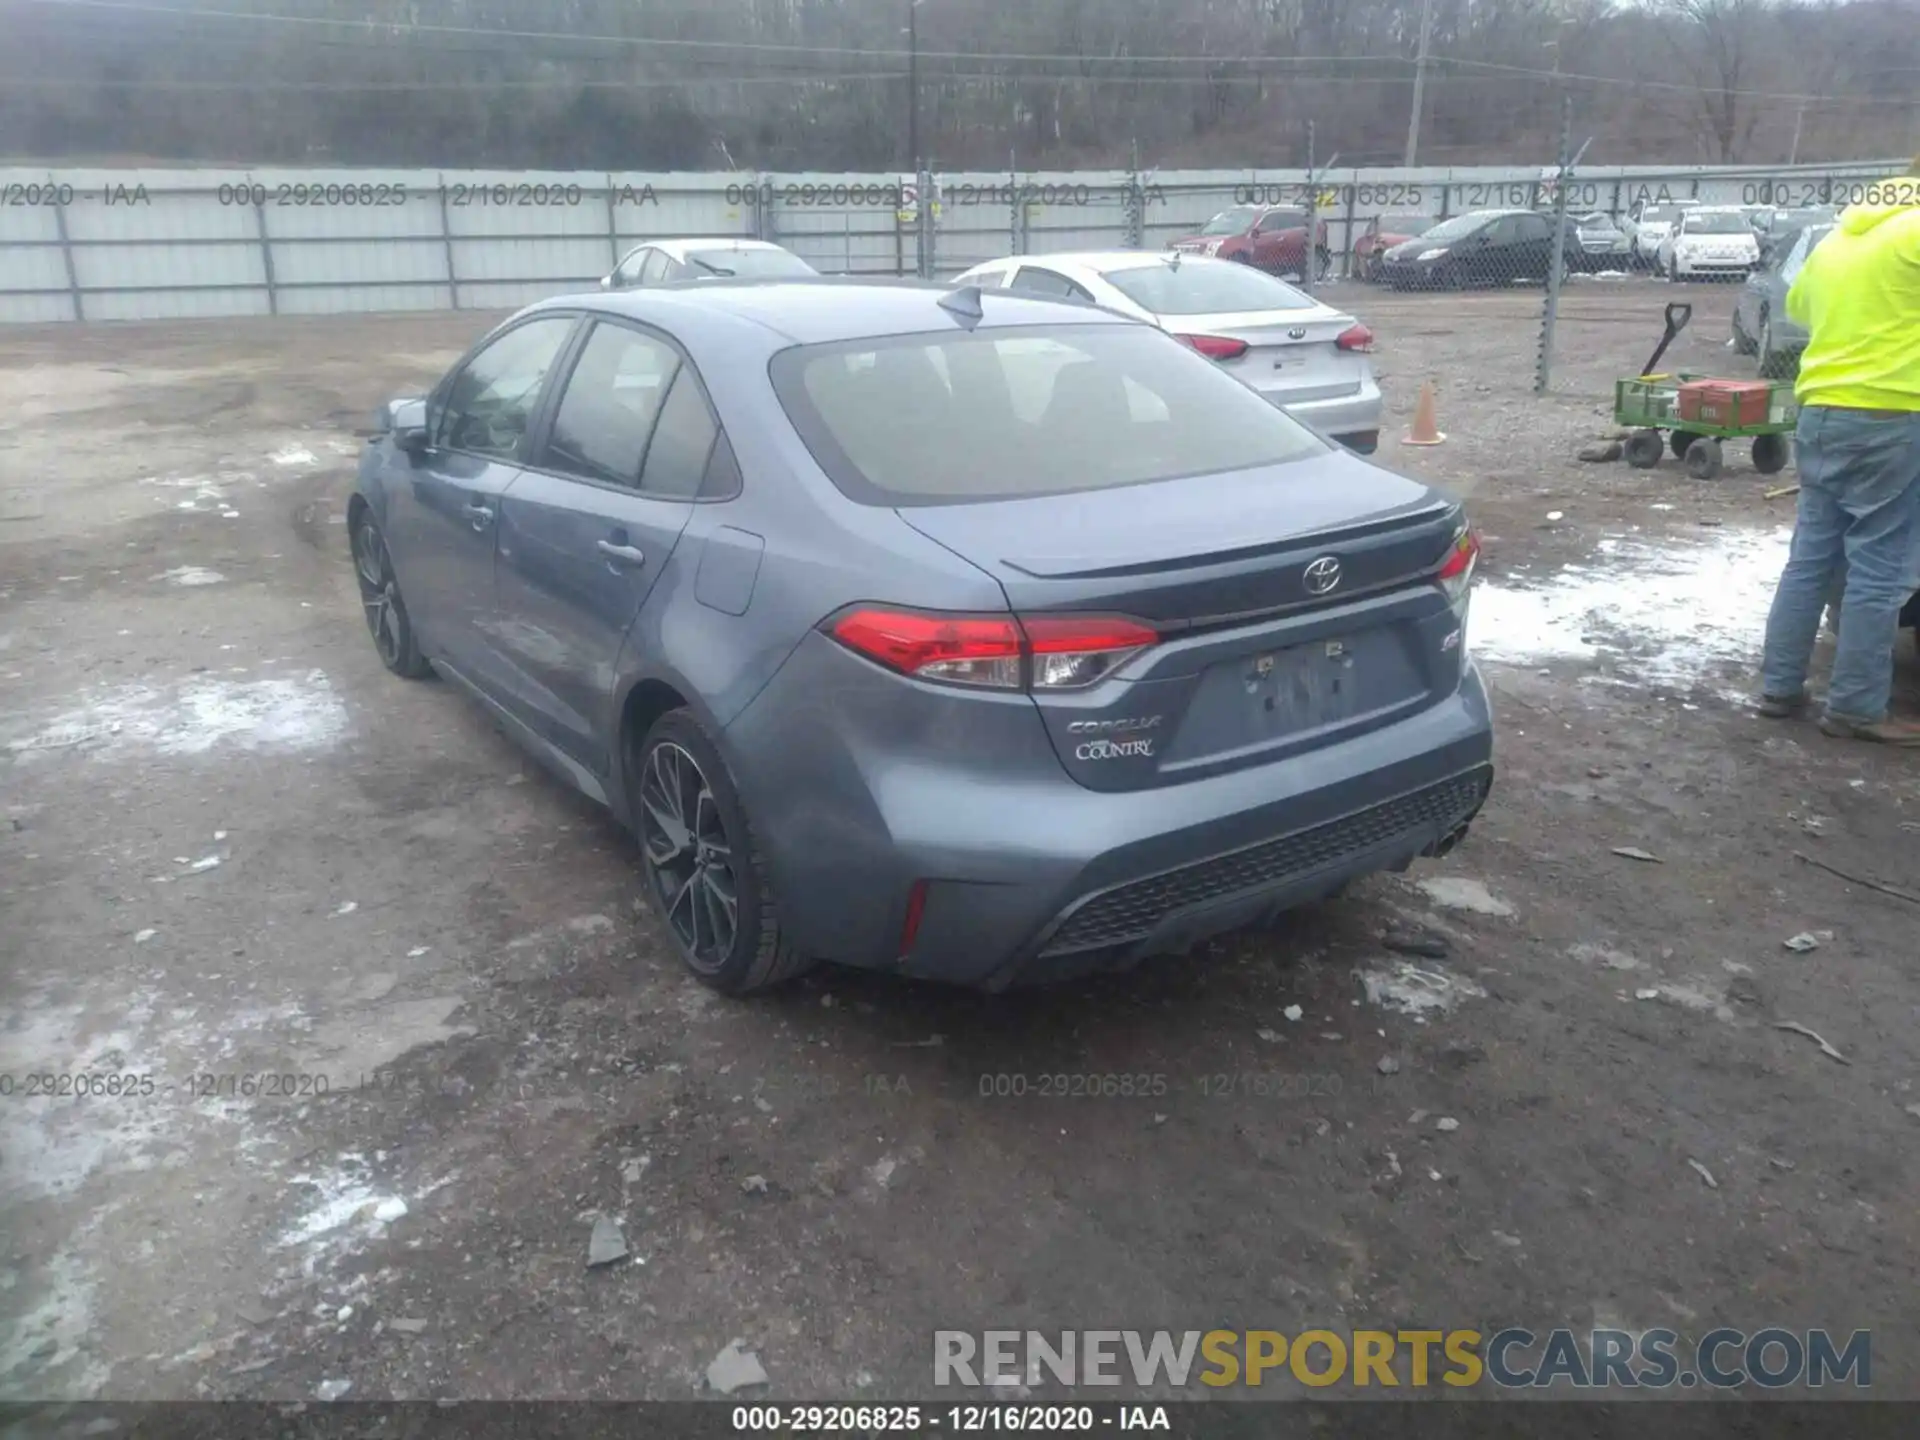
x=1342 y=416
x=1031 y=876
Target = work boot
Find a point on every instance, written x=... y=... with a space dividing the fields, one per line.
x=1885 y=731
x=1783 y=707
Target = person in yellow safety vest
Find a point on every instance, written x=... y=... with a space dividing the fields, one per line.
x=1858 y=442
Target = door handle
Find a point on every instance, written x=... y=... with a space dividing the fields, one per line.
x=480 y=516
x=621 y=554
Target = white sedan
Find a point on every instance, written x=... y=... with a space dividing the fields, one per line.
x=1306 y=357
x=1710 y=244
x=660 y=262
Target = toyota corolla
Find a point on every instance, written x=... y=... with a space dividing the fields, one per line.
x=957 y=635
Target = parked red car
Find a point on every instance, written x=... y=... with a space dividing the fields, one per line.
x=1384 y=232
x=1270 y=237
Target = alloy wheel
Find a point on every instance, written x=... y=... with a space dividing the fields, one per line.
x=378 y=593
x=689 y=856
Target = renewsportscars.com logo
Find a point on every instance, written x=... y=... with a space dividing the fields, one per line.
x=1513 y=1358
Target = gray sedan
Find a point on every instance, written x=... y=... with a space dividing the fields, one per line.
x=1761 y=325
x=957 y=635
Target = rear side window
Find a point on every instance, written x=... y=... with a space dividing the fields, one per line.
x=1032 y=280
x=1034 y=410
x=607 y=414
x=677 y=458
x=1205 y=288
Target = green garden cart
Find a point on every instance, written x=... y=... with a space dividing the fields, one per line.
x=1652 y=406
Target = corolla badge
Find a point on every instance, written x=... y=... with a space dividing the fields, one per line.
x=1110 y=749
x=1321 y=575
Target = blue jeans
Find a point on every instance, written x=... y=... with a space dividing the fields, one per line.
x=1859 y=512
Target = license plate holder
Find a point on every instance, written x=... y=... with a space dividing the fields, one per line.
x=1305 y=686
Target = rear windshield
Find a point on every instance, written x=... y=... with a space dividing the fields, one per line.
x=1405 y=224
x=1659 y=215
x=1231 y=222
x=951 y=417
x=1204 y=288
x=756 y=264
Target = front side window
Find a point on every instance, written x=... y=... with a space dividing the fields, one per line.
x=629 y=269
x=1031 y=410
x=487 y=408
x=656 y=267
x=613 y=397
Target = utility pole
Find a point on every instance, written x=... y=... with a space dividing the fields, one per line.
x=1419 y=83
x=913 y=89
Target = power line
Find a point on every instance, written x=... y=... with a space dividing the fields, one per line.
x=761 y=46
x=770 y=48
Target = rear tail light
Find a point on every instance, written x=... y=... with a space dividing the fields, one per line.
x=1070 y=651
x=1359 y=340
x=995 y=652
x=1456 y=571
x=1214 y=347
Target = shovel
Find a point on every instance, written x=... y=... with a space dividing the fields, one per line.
x=1678 y=314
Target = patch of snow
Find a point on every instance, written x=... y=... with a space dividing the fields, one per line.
x=1668 y=614
x=1417 y=990
x=191 y=575
x=293 y=455
x=1456 y=892
x=193 y=718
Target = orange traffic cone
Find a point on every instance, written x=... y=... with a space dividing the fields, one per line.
x=1426 y=426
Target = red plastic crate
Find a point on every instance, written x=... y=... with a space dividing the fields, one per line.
x=1730 y=404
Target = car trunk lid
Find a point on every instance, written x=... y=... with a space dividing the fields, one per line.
x=1257 y=658
x=1290 y=354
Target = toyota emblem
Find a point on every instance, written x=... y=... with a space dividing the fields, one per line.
x=1299 y=332
x=1321 y=576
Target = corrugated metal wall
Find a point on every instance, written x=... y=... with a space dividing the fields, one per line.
x=156 y=244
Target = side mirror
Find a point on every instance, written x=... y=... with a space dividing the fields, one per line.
x=406 y=421
x=606 y=282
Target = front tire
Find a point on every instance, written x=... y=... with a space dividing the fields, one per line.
x=382 y=605
x=704 y=875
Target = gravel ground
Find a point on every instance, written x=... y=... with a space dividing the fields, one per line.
x=235 y=847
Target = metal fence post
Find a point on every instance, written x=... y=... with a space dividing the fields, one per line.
x=1353 y=195
x=613 y=229
x=923 y=236
x=1016 y=208
x=1557 y=265
x=446 y=245
x=66 y=258
x=266 y=253
x=1310 y=249
x=1136 y=202
x=766 y=221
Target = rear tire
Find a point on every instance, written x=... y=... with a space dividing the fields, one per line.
x=1679 y=440
x=1770 y=453
x=1704 y=458
x=704 y=876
